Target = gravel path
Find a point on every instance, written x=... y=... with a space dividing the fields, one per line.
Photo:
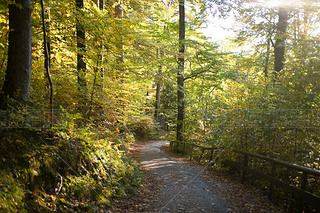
x=184 y=188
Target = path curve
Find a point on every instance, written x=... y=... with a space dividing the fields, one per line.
x=185 y=188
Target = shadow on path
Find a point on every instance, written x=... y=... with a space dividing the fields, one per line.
x=184 y=187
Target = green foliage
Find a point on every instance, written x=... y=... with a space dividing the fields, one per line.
x=239 y=104
x=4 y=25
x=142 y=127
x=232 y=100
x=68 y=172
x=82 y=163
x=11 y=194
x=253 y=113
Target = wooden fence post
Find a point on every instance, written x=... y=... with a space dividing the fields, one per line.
x=273 y=173
x=245 y=165
x=211 y=155
x=191 y=152
x=304 y=197
x=303 y=187
x=304 y=181
x=201 y=155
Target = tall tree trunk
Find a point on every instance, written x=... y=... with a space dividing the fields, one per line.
x=158 y=89
x=101 y=7
x=279 y=47
x=296 y=29
x=47 y=60
x=93 y=88
x=180 y=76
x=267 y=58
x=157 y=104
x=81 y=65
x=119 y=16
x=18 y=74
x=101 y=4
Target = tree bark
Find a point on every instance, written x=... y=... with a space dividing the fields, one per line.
x=180 y=76
x=267 y=55
x=81 y=65
x=158 y=89
x=47 y=60
x=101 y=7
x=101 y=4
x=279 y=47
x=119 y=16
x=18 y=74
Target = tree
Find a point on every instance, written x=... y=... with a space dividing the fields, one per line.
x=158 y=89
x=81 y=65
x=47 y=59
x=18 y=73
x=180 y=76
x=101 y=7
x=279 y=46
x=118 y=13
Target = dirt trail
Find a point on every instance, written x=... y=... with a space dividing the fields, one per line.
x=184 y=188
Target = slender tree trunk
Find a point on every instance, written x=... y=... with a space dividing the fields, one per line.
x=295 y=29
x=266 y=66
x=158 y=89
x=18 y=74
x=47 y=25
x=101 y=7
x=47 y=60
x=180 y=76
x=92 y=90
x=304 y=34
x=267 y=58
x=279 y=48
x=119 y=16
x=157 y=104
x=81 y=65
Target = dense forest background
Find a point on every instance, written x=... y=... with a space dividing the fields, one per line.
x=115 y=71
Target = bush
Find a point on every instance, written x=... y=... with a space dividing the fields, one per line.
x=75 y=171
x=142 y=127
x=11 y=194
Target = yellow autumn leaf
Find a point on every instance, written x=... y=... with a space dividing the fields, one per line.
x=53 y=198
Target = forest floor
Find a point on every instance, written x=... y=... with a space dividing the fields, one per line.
x=174 y=184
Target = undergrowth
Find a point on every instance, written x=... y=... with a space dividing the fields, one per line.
x=74 y=170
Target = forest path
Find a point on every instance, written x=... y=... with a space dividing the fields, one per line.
x=184 y=188
x=174 y=184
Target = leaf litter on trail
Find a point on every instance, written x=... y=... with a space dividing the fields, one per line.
x=141 y=201
x=240 y=198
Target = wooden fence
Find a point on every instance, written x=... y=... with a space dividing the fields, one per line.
x=272 y=173
x=190 y=150
x=32 y=118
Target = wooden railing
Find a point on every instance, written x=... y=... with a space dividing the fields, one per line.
x=188 y=148
x=306 y=198
x=303 y=194
x=32 y=118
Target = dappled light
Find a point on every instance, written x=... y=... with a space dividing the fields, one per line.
x=158 y=163
x=150 y=106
